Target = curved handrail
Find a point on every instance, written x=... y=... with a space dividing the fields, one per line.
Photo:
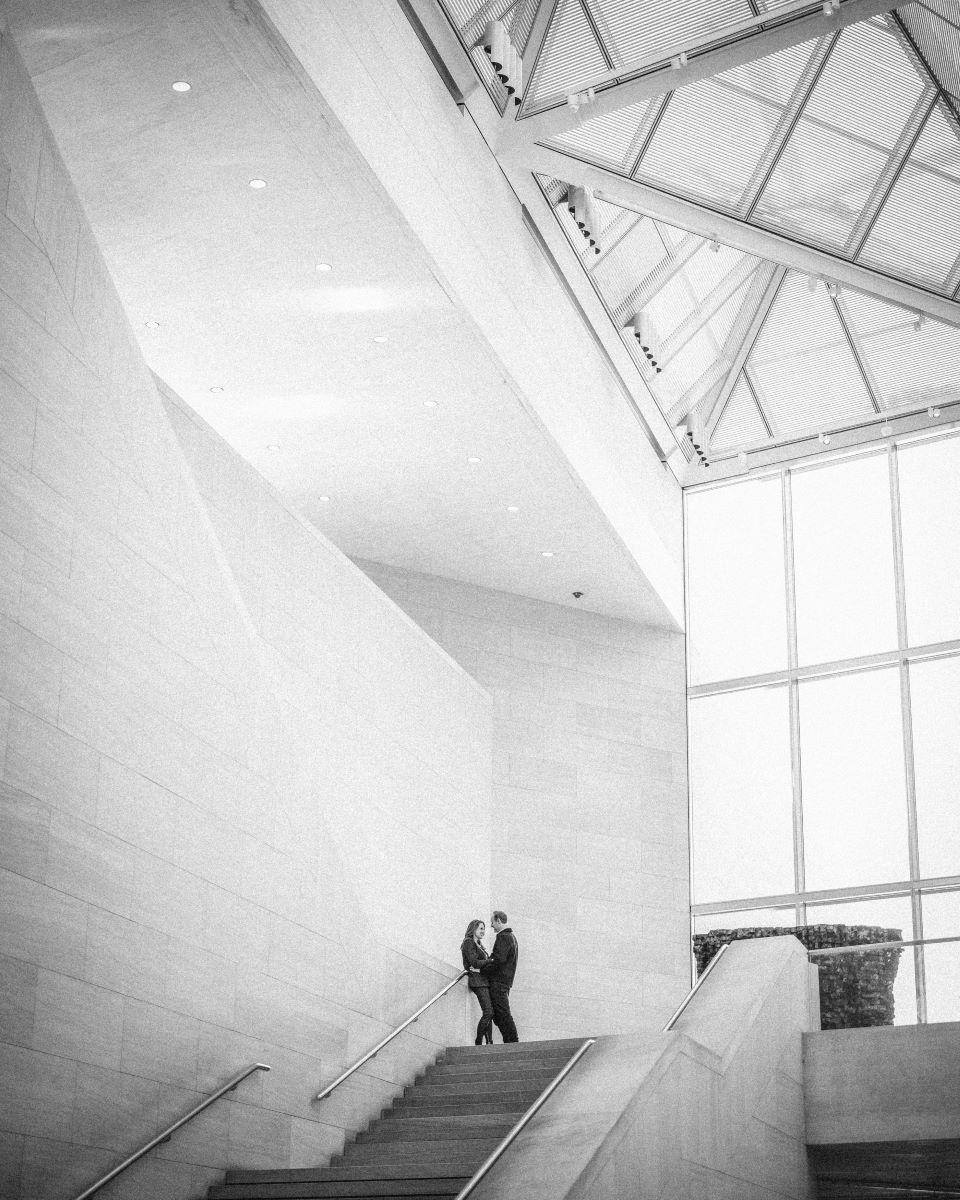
x=696 y=988
x=389 y=1038
x=528 y=1116
x=171 y=1130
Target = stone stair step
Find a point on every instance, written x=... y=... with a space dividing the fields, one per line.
x=421 y=1150
x=481 y=1085
x=436 y=1128
x=373 y=1170
x=306 y=1189
x=561 y=1047
x=517 y=1102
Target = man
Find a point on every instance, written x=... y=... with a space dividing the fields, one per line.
x=500 y=973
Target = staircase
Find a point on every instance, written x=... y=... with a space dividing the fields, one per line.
x=433 y=1137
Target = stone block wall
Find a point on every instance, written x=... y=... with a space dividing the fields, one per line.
x=590 y=852
x=234 y=776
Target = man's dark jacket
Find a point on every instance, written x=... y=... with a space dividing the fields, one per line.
x=503 y=964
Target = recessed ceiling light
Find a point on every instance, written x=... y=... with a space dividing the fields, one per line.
x=324 y=499
x=429 y=404
x=152 y=324
x=273 y=446
x=324 y=267
x=216 y=389
x=381 y=337
x=513 y=508
x=258 y=183
x=181 y=86
x=546 y=554
x=473 y=459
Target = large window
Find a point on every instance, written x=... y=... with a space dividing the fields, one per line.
x=824 y=703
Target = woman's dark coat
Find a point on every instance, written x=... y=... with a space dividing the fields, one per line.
x=474 y=956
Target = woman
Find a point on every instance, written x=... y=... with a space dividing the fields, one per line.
x=475 y=958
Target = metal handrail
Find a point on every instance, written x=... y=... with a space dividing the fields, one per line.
x=389 y=1038
x=696 y=988
x=528 y=1116
x=169 y=1132
x=831 y=950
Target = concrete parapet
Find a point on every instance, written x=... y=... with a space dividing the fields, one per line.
x=713 y=1108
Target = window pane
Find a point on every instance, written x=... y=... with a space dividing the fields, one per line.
x=935 y=701
x=785 y=918
x=941 y=918
x=854 y=798
x=888 y=913
x=843 y=542
x=930 y=518
x=740 y=795
x=736 y=581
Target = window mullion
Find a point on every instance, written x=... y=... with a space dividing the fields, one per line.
x=906 y=712
x=799 y=872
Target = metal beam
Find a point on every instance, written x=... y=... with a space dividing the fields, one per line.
x=909 y=136
x=708 y=223
x=711 y=304
x=659 y=277
x=789 y=119
x=858 y=433
x=654 y=76
x=856 y=349
x=748 y=339
x=535 y=42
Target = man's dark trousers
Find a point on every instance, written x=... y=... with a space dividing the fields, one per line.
x=502 y=1017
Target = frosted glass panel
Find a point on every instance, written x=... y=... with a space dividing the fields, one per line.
x=736 y=581
x=741 y=795
x=941 y=918
x=935 y=703
x=930 y=517
x=846 y=601
x=854 y=795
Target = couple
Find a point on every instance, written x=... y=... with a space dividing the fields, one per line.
x=491 y=976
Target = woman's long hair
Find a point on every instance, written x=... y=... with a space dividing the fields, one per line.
x=472 y=929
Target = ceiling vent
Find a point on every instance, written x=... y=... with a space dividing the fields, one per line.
x=583 y=209
x=644 y=330
x=506 y=62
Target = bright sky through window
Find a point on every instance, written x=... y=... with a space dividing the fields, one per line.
x=828 y=755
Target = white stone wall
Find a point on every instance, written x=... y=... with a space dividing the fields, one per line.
x=590 y=856
x=235 y=778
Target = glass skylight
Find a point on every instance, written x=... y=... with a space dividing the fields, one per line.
x=802 y=367
x=614 y=140
x=571 y=57
x=934 y=27
x=848 y=143
x=708 y=143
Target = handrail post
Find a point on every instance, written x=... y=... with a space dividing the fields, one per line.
x=528 y=1116
x=167 y=1133
x=389 y=1038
